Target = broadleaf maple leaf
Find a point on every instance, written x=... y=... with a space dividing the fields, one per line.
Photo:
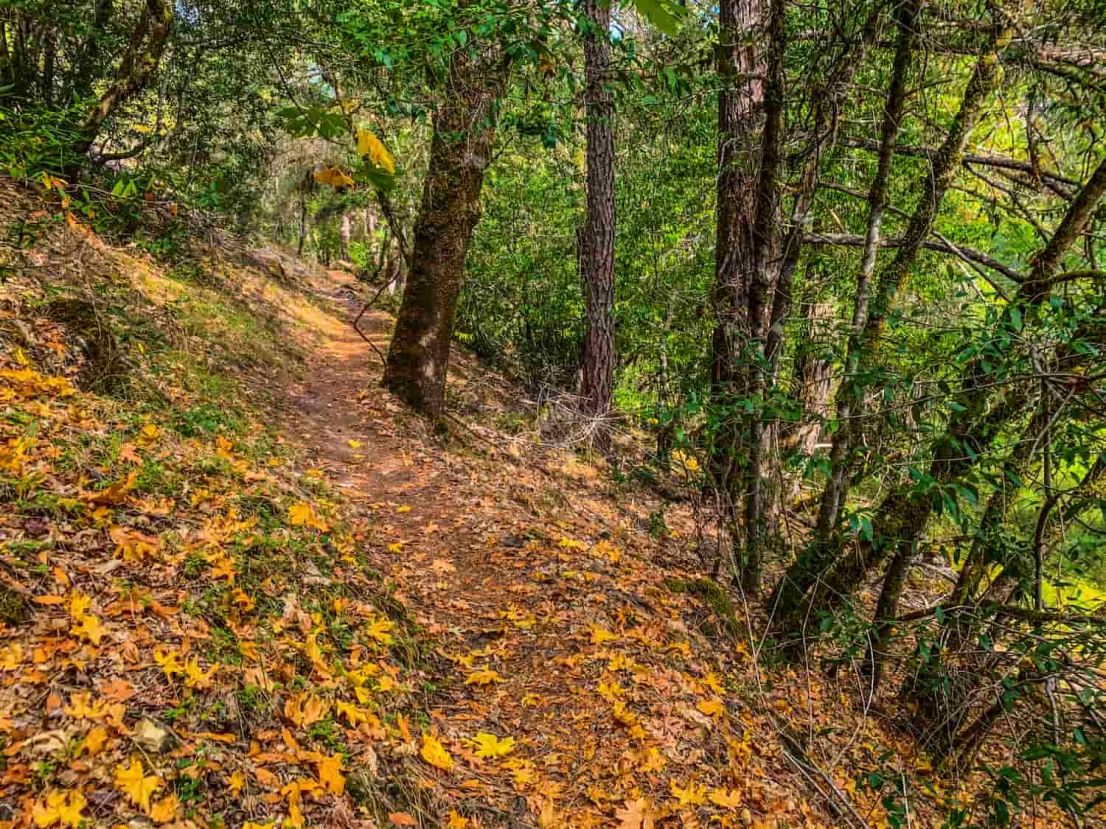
x=726 y=799
x=693 y=794
x=483 y=676
x=636 y=814
x=136 y=784
x=59 y=807
x=490 y=746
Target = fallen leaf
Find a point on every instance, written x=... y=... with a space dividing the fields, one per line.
x=138 y=786
x=726 y=799
x=636 y=814
x=435 y=754
x=489 y=745
x=59 y=807
x=483 y=676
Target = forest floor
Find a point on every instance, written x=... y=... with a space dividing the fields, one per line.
x=243 y=586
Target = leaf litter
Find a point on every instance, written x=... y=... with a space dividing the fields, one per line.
x=248 y=624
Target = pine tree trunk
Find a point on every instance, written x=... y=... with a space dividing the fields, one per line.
x=460 y=152
x=597 y=240
x=740 y=72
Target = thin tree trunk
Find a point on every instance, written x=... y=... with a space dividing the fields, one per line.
x=85 y=70
x=802 y=574
x=460 y=151
x=305 y=186
x=848 y=398
x=49 y=56
x=597 y=256
x=761 y=285
x=902 y=517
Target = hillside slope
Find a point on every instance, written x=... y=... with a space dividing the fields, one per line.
x=244 y=587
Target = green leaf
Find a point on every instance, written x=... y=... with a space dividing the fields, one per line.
x=659 y=14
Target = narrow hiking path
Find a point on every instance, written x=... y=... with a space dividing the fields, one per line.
x=554 y=628
x=253 y=590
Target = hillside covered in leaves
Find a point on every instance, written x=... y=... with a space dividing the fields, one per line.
x=552 y=413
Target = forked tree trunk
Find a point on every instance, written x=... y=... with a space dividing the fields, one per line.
x=905 y=520
x=978 y=419
x=597 y=239
x=460 y=151
x=140 y=61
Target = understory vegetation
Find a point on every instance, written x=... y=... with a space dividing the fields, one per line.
x=804 y=302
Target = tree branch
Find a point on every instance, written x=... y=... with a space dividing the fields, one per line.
x=968 y=254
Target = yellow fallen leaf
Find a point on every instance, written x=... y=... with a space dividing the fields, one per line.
x=165 y=809
x=483 y=676
x=136 y=784
x=354 y=444
x=726 y=799
x=713 y=707
x=11 y=657
x=236 y=781
x=692 y=794
x=81 y=707
x=434 y=753
x=489 y=745
x=194 y=676
x=94 y=740
x=600 y=635
x=330 y=773
x=89 y=628
x=59 y=807
x=302 y=514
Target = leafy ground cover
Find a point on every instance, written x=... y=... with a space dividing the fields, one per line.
x=243 y=587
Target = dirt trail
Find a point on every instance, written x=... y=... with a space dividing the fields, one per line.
x=554 y=624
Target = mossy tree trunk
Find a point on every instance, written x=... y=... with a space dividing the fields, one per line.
x=139 y=62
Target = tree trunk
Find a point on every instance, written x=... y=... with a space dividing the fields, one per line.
x=833 y=496
x=347 y=231
x=140 y=61
x=740 y=71
x=907 y=516
x=802 y=574
x=597 y=240
x=815 y=375
x=80 y=84
x=305 y=186
x=460 y=152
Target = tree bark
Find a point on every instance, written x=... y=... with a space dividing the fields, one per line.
x=981 y=411
x=597 y=240
x=740 y=71
x=829 y=510
x=460 y=151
